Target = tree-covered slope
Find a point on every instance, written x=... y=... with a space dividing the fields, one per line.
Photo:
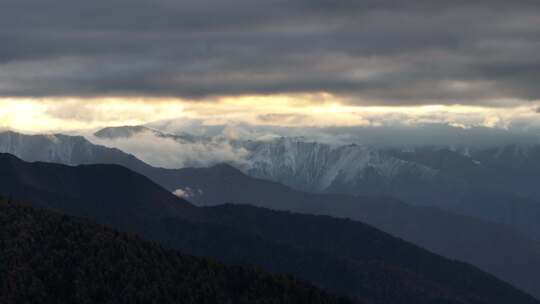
x=50 y=258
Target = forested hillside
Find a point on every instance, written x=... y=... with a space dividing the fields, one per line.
x=46 y=257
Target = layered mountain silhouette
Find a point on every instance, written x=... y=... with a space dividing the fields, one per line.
x=46 y=257
x=494 y=248
x=342 y=256
x=456 y=179
x=459 y=181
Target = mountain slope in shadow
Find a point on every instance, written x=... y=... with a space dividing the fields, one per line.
x=339 y=255
x=50 y=258
x=494 y=248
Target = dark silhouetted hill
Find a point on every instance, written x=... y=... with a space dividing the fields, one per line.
x=493 y=247
x=49 y=258
x=342 y=256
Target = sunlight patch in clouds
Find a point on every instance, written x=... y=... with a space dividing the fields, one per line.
x=310 y=110
x=72 y=114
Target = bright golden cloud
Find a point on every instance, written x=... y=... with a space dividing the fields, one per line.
x=77 y=114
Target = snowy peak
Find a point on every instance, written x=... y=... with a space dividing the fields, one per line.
x=298 y=162
x=50 y=148
x=304 y=165
x=64 y=149
x=316 y=167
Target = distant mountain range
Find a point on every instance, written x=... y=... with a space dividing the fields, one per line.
x=494 y=248
x=466 y=182
x=343 y=256
x=495 y=184
x=51 y=258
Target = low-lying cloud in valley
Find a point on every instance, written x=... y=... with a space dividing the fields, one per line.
x=217 y=144
x=170 y=153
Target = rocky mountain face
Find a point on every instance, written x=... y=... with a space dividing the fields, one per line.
x=317 y=167
x=309 y=166
x=63 y=149
x=494 y=184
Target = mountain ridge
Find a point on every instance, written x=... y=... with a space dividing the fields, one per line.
x=476 y=246
x=312 y=243
x=458 y=180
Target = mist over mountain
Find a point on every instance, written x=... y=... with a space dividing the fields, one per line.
x=396 y=134
x=457 y=179
x=172 y=151
x=340 y=255
x=399 y=136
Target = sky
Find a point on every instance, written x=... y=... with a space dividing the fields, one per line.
x=74 y=64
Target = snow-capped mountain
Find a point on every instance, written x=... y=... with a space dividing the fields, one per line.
x=64 y=149
x=47 y=148
x=318 y=167
x=448 y=179
x=426 y=176
x=305 y=165
x=459 y=179
x=414 y=174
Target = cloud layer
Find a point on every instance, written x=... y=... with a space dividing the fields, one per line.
x=367 y=52
x=169 y=153
x=223 y=143
x=298 y=112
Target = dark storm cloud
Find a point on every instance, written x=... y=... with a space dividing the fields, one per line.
x=381 y=52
